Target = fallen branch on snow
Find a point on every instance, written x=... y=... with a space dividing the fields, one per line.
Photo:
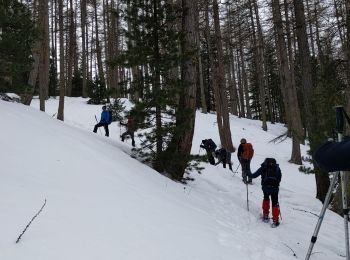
x=30 y=222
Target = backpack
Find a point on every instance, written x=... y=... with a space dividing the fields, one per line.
x=248 y=151
x=110 y=117
x=209 y=144
x=270 y=177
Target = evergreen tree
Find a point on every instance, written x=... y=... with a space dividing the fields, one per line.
x=17 y=34
x=153 y=49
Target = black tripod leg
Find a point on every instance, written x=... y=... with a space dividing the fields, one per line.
x=320 y=218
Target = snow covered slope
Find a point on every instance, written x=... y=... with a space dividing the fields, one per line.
x=102 y=204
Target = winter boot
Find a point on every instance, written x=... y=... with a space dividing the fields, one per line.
x=266 y=209
x=275 y=215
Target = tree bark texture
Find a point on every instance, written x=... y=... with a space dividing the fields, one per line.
x=60 y=113
x=285 y=74
x=221 y=94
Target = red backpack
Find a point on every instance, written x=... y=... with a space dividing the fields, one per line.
x=248 y=151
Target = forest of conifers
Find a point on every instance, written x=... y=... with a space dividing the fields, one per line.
x=284 y=61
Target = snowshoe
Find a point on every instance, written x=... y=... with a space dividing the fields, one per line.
x=265 y=218
x=275 y=224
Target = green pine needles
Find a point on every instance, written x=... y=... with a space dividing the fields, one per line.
x=154 y=58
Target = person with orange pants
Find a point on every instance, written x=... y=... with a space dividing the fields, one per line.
x=271 y=175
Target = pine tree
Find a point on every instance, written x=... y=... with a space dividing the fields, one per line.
x=17 y=35
x=153 y=49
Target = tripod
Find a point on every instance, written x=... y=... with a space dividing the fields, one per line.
x=339 y=127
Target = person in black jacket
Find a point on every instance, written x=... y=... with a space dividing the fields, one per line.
x=270 y=173
x=223 y=157
x=333 y=156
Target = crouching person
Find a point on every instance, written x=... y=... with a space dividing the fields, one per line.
x=223 y=157
x=270 y=173
x=209 y=146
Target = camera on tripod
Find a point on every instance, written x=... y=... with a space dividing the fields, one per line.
x=334 y=157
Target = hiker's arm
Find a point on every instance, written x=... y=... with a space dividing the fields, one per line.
x=239 y=152
x=219 y=161
x=333 y=156
x=255 y=174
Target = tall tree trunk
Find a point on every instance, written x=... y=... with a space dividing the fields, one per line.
x=312 y=42
x=285 y=72
x=113 y=47
x=200 y=65
x=259 y=61
x=187 y=105
x=70 y=50
x=84 y=48
x=44 y=52
x=305 y=62
x=98 y=46
x=60 y=113
x=347 y=48
x=221 y=98
x=231 y=69
x=240 y=87
x=157 y=88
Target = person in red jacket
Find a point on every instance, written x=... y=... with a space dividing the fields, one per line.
x=245 y=153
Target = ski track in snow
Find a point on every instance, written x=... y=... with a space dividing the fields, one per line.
x=102 y=204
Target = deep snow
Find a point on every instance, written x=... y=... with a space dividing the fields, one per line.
x=103 y=204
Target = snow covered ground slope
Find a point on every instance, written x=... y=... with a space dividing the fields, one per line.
x=102 y=204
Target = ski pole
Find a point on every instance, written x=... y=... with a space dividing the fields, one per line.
x=236 y=171
x=247 y=196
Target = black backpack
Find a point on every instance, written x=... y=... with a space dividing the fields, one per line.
x=209 y=144
x=270 y=176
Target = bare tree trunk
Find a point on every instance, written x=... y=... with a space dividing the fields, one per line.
x=70 y=50
x=98 y=47
x=240 y=87
x=44 y=52
x=231 y=69
x=83 y=44
x=259 y=61
x=305 y=62
x=187 y=104
x=286 y=82
x=347 y=48
x=200 y=65
x=60 y=113
x=312 y=42
x=27 y=97
x=221 y=98
x=244 y=79
x=213 y=80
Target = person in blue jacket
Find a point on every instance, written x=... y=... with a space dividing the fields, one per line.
x=104 y=121
x=270 y=173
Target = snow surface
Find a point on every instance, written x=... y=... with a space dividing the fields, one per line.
x=103 y=204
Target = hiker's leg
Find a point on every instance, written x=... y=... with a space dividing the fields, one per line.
x=266 y=205
x=97 y=126
x=275 y=207
x=123 y=135
x=132 y=138
x=106 y=129
x=274 y=199
x=244 y=170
